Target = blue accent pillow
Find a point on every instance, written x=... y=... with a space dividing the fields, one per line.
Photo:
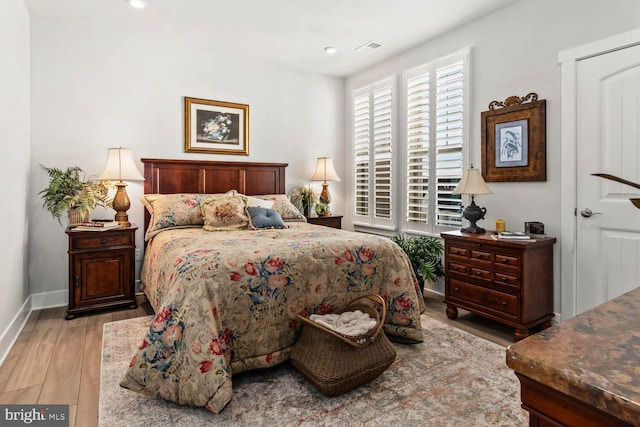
x=265 y=218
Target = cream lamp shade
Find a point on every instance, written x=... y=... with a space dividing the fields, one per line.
x=121 y=167
x=325 y=171
x=472 y=184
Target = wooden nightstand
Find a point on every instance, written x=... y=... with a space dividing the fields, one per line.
x=334 y=221
x=101 y=270
x=509 y=281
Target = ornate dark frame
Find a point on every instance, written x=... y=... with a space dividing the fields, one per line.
x=514 y=108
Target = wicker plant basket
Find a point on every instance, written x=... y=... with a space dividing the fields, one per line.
x=336 y=363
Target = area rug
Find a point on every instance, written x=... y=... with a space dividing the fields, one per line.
x=453 y=378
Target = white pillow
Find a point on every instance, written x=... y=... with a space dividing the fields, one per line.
x=255 y=202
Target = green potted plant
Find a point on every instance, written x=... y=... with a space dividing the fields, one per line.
x=425 y=254
x=68 y=190
x=303 y=197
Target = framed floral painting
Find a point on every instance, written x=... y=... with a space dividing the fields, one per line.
x=215 y=127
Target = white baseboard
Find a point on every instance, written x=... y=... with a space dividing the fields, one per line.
x=11 y=332
x=49 y=299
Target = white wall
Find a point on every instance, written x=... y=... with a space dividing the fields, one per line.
x=14 y=173
x=513 y=52
x=97 y=85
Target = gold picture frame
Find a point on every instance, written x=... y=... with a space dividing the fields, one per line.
x=216 y=127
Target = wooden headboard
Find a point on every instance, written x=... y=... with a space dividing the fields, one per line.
x=167 y=176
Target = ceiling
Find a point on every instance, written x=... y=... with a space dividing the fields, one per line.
x=292 y=33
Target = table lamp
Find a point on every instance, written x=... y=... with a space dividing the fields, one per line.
x=121 y=167
x=325 y=172
x=473 y=185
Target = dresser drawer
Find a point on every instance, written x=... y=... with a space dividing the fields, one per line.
x=498 y=301
x=481 y=255
x=506 y=279
x=458 y=251
x=101 y=240
x=507 y=260
x=455 y=267
x=480 y=273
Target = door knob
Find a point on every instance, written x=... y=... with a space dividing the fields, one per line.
x=587 y=213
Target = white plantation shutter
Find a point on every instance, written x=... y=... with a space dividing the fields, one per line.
x=435 y=126
x=373 y=140
x=382 y=152
x=417 y=149
x=361 y=154
x=449 y=142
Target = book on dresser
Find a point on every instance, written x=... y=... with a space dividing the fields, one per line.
x=97 y=225
x=511 y=235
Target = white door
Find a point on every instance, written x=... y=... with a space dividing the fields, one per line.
x=607 y=141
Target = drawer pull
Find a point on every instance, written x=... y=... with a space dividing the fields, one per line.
x=504 y=260
x=455 y=268
x=77 y=282
x=456 y=289
x=504 y=303
x=103 y=241
x=478 y=273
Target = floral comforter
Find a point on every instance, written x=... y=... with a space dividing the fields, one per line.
x=227 y=301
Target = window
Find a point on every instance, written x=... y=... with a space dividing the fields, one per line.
x=435 y=111
x=373 y=153
x=404 y=175
x=424 y=149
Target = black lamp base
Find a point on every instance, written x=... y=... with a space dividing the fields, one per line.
x=473 y=230
x=473 y=213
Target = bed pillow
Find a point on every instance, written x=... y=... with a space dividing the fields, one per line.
x=256 y=202
x=286 y=209
x=177 y=210
x=226 y=212
x=265 y=218
x=172 y=211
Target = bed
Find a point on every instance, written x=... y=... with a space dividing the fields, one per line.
x=227 y=300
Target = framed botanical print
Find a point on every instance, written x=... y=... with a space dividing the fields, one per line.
x=216 y=127
x=513 y=140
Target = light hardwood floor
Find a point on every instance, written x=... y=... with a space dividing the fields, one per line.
x=57 y=361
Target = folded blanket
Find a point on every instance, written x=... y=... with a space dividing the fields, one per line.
x=350 y=323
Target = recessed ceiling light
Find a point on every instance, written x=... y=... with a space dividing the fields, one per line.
x=330 y=50
x=138 y=4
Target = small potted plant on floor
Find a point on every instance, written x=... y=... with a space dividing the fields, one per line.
x=425 y=254
x=69 y=191
x=303 y=197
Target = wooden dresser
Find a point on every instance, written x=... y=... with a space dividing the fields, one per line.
x=507 y=281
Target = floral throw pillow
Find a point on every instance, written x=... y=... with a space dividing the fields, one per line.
x=172 y=211
x=228 y=212
x=286 y=209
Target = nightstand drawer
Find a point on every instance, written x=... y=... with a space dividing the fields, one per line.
x=101 y=240
x=494 y=300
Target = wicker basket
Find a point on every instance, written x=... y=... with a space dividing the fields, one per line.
x=335 y=363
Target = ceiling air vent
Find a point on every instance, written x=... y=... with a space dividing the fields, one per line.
x=369 y=47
